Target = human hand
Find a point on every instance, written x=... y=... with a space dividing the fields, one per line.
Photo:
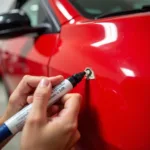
x=21 y=96
x=57 y=132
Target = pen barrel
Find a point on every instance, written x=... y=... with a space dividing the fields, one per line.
x=16 y=122
x=4 y=132
x=59 y=91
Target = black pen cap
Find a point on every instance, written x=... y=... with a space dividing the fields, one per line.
x=76 y=78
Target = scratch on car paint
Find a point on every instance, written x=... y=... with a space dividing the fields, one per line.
x=89 y=73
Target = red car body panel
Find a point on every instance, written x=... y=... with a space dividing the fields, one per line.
x=115 y=112
x=115 y=108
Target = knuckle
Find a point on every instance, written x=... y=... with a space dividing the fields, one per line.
x=78 y=136
x=71 y=127
x=34 y=120
x=12 y=99
x=11 y=102
x=26 y=77
x=41 y=94
x=78 y=96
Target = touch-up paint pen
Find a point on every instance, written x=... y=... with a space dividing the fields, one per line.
x=16 y=122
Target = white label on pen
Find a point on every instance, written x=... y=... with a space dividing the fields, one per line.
x=16 y=123
x=59 y=91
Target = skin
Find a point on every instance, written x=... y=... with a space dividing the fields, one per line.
x=44 y=129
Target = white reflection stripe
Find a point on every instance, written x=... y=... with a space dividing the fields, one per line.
x=111 y=34
x=63 y=10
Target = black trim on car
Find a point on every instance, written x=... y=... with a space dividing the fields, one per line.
x=50 y=15
x=80 y=9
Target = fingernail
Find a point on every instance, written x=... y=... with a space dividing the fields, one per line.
x=44 y=83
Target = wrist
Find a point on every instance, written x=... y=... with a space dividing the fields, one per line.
x=1 y=120
x=5 y=117
x=10 y=111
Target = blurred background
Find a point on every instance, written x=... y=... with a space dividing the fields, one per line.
x=5 y=5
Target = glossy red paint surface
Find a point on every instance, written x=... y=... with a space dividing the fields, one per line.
x=115 y=109
x=115 y=112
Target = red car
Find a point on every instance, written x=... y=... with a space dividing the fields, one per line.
x=112 y=37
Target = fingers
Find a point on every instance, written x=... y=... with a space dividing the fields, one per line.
x=56 y=80
x=71 y=107
x=53 y=110
x=30 y=99
x=74 y=140
x=29 y=83
x=76 y=137
x=27 y=86
x=40 y=100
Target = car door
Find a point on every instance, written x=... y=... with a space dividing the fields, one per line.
x=29 y=54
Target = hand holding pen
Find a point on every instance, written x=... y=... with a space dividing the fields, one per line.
x=57 y=132
x=20 y=98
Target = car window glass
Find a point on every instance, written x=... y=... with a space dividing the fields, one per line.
x=94 y=8
x=32 y=9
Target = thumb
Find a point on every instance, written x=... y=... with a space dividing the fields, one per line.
x=40 y=99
